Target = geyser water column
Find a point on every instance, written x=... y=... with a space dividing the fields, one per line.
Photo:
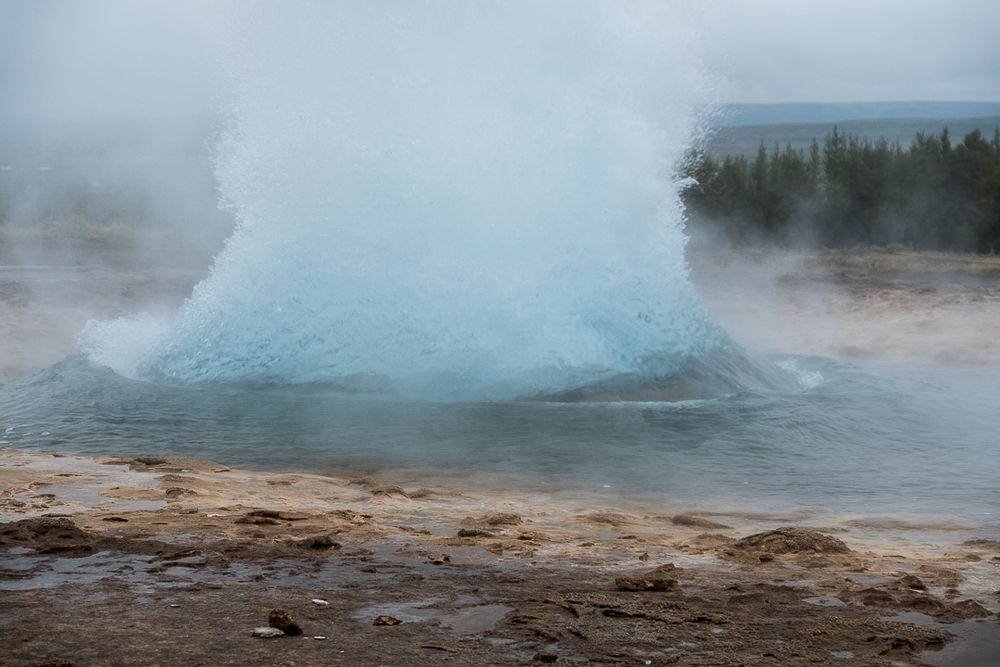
x=450 y=199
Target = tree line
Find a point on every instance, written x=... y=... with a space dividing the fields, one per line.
x=931 y=195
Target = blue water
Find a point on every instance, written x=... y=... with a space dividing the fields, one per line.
x=855 y=442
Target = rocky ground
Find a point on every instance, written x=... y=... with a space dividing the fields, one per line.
x=168 y=561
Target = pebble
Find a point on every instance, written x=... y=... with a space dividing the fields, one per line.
x=319 y=637
x=320 y=602
x=267 y=633
x=282 y=620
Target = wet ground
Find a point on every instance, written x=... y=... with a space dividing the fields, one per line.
x=455 y=574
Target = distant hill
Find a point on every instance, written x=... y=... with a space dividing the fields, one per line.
x=746 y=139
x=798 y=113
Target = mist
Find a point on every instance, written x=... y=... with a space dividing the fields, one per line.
x=108 y=128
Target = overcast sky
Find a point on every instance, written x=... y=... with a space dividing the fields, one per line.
x=128 y=57
x=855 y=50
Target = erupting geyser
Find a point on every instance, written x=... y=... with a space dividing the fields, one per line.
x=468 y=200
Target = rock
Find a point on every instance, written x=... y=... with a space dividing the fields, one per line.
x=644 y=583
x=167 y=464
x=258 y=521
x=278 y=514
x=439 y=559
x=501 y=519
x=474 y=532
x=969 y=609
x=545 y=656
x=695 y=522
x=792 y=541
x=609 y=518
x=389 y=491
x=876 y=597
x=924 y=603
x=319 y=637
x=267 y=633
x=282 y=620
x=494 y=548
x=47 y=535
x=176 y=492
x=119 y=519
x=385 y=619
x=319 y=602
x=912 y=582
x=491 y=524
x=318 y=542
x=351 y=517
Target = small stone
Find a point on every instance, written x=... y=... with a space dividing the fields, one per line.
x=319 y=637
x=385 y=619
x=319 y=602
x=765 y=558
x=439 y=559
x=282 y=620
x=545 y=656
x=267 y=633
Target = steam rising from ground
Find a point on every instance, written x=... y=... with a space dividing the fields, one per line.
x=477 y=196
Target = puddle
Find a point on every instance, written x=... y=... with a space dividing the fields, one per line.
x=24 y=573
x=462 y=621
x=976 y=643
x=869 y=579
x=473 y=620
x=419 y=611
x=825 y=601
